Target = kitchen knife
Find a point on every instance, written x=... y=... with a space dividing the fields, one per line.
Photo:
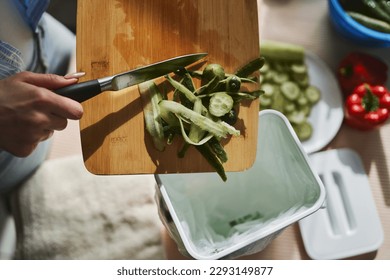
x=85 y=90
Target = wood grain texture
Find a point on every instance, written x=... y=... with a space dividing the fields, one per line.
x=117 y=35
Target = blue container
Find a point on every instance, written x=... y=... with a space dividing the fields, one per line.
x=355 y=31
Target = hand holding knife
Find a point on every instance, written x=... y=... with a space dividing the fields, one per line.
x=85 y=90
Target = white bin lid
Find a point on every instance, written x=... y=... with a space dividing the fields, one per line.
x=348 y=223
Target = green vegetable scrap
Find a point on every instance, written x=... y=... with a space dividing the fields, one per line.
x=150 y=98
x=286 y=85
x=202 y=116
x=371 y=23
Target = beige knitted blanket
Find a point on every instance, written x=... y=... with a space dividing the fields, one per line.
x=64 y=212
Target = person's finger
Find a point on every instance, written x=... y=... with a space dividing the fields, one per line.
x=64 y=107
x=46 y=135
x=22 y=149
x=76 y=75
x=57 y=123
x=49 y=81
x=61 y=106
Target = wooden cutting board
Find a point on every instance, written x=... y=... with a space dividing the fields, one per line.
x=117 y=35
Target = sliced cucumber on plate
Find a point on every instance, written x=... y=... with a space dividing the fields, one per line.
x=286 y=85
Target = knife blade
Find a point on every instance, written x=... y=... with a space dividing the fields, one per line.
x=85 y=90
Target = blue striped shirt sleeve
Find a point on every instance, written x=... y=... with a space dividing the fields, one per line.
x=32 y=10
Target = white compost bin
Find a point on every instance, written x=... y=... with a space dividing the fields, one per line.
x=212 y=219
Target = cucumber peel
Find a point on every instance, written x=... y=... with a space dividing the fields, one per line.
x=202 y=116
x=151 y=97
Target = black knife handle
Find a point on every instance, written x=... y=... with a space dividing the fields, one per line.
x=81 y=91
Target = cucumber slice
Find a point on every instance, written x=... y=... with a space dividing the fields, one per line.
x=268 y=89
x=280 y=77
x=302 y=100
x=278 y=101
x=304 y=131
x=269 y=76
x=261 y=81
x=299 y=77
x=300 y=69
x=313 y=94
x=290 y=90
x=290 y=107
x=265 y=68
x=304 y=82
x=281 y=66
x=305 y=109
x=265 y=102
x=220 y=104
x=297 y=117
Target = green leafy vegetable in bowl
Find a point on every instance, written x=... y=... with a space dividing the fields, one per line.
x=373 y=14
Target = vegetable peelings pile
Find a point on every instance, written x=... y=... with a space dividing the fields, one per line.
x=201 y=116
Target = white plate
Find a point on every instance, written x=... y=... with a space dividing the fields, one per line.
x=327 y=115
